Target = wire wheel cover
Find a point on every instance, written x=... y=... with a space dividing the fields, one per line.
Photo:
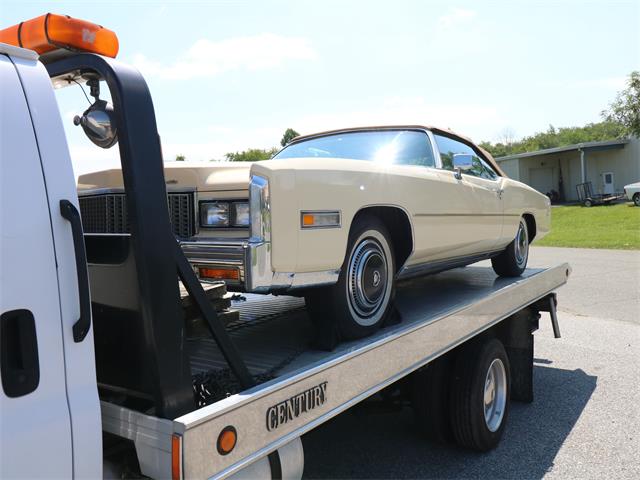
x=368 y=278
x=522 y=245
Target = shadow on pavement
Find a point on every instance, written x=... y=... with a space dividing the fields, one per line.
x=388 y=445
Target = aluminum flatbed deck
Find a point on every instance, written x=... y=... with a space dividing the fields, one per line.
x=305 y=387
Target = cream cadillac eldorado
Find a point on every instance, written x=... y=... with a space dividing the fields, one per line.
x=340 y=217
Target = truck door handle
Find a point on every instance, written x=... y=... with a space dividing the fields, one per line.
x=70 y=213
x=19 y=364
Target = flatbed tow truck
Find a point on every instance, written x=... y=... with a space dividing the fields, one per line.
x=96 y=367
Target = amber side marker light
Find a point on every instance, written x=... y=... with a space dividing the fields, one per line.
x=51 y=32
x=320 y=219
x=227 y=440
x=219 y=273
x=176 y=456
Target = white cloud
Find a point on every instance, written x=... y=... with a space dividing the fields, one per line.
x=457 y=35
x=455 y=17
x=207 y=58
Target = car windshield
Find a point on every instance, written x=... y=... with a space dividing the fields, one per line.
x=405 y=147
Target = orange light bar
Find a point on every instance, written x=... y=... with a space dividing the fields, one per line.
x=51 y=32
x=219 y=273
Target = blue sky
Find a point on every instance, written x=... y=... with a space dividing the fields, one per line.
x=229 y=75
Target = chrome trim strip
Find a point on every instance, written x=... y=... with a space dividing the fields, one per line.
x=259 y=209
x=437 y=159
x=114 y=190
x=441 y=265
x=465 y=215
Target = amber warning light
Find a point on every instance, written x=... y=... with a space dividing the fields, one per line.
x=52 y=32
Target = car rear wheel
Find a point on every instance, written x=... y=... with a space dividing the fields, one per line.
x=513 y=260
x=358 y=304
x=636 y=199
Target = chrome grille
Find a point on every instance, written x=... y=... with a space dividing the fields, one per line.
x=107 y=213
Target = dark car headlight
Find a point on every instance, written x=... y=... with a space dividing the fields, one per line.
x=240 y=214
x=214 y=214
x=224 y=214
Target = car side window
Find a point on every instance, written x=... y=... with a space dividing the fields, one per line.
x=449 y=147
x=416 y=150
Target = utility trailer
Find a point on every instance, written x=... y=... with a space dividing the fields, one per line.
x=95 y=357
x=439 y=315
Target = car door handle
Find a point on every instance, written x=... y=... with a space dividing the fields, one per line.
x=71 y=214
x=19 y=364
x=499 y=192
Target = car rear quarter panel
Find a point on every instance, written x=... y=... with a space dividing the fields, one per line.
x=520 y=199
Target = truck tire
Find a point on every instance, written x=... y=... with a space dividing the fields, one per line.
x=480 y=395
x=513 y=260
x=358 y=304
x=429 y=394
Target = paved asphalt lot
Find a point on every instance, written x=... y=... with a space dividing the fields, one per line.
x=583 y=423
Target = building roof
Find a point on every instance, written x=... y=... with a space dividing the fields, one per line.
x=586 y=146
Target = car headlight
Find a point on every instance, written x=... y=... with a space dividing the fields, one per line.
x=214 y=214
x=240 y=214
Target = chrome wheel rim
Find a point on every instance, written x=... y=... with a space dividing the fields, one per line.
x=495 y=395
x=368 y=280
x=522 y=245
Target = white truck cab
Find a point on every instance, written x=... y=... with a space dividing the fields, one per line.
x=50 y=425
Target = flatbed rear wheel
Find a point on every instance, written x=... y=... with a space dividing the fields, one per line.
x=480 y=394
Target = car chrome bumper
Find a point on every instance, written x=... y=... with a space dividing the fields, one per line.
x=253 y=262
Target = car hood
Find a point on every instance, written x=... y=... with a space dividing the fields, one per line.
x=203 y=176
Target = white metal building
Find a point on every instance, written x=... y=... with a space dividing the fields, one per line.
x=608 y=165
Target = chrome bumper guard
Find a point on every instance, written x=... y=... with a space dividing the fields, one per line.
x=253 y=261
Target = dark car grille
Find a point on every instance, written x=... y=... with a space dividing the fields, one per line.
x=108 y=213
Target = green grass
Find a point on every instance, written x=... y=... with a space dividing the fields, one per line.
x=614 y=226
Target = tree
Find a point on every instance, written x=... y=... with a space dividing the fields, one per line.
x=180 y=158
x=251 y=155
x=625 y=109
x=558 y=137
x=289 y=135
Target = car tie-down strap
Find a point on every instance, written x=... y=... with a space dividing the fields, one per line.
x=217 y=329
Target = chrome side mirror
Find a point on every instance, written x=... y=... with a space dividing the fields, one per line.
x=462 y=163
x=98 y=123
